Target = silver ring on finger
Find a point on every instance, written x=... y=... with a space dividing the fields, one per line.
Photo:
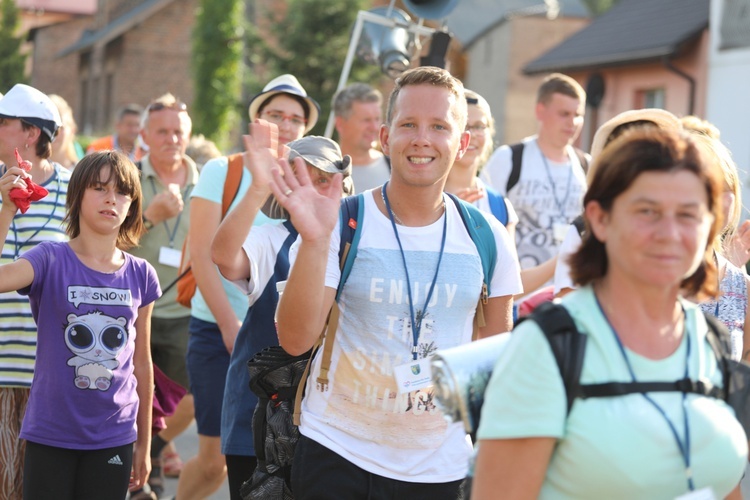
x=288 y=192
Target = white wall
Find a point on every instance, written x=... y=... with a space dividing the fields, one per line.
x=728 y=99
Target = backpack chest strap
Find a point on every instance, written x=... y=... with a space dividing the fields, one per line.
x=684 y=385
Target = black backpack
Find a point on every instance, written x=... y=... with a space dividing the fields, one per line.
x=569 y=345
x=516 y=151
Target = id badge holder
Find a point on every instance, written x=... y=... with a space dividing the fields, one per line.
x=170 y=257
x=413 y=376
x=701 y=494
x=559 y=229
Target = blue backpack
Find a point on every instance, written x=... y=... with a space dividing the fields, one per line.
x=497 y=205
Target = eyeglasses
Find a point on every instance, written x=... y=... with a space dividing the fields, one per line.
x=477 y=128
x=279 y=118
x=158 y=106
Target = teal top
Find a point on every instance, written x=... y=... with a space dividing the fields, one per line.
x=617 y=447
x=211 y=187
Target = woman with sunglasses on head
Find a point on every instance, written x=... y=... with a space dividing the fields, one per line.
x=218 y=307
x=463 y=181
x=652 y=210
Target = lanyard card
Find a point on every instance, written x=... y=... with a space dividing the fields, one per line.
x=170 y=257
x=701 y=494
x=413 y=376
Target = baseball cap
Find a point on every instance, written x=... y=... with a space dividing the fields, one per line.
x=285 y=84
x=33 y=107
x=322 y=153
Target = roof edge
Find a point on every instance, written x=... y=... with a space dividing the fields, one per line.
x=633 y=57
x=116 y=27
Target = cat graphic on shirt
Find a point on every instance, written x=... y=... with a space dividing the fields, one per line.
x=95 y=339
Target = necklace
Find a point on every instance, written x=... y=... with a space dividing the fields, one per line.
x=398 y=221
x=395 y=217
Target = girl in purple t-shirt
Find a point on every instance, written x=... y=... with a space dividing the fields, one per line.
x=90 y=400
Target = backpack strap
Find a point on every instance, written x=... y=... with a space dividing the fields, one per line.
x=568 y=346
x=497 y=205
x=580 y=225
x=685 y=385
x=235 y=168
x=516 y=157
x=582 y=159
x=484 y=239
x=351 y=213
x=567 y=343
x=350 y=219
x=721 y=343
x=481 y=234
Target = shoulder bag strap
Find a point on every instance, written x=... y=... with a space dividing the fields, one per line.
x=235 y=168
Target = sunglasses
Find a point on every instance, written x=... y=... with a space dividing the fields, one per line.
x=158 y=106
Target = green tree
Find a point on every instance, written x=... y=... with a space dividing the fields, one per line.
x=217 y=55
x=12 y=60
x=311 y=42
x=597 y=7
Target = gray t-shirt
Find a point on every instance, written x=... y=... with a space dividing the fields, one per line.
x=371 y=175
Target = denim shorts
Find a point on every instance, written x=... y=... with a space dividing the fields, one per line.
x=207 y=364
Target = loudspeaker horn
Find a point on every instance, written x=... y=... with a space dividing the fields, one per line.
x=430 y=9
x=388 y=47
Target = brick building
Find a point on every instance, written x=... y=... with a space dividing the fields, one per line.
x=132 y=51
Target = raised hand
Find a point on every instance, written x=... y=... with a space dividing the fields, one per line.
x=314 y=215
x=470 y=195
x=13 y=178
x=737 y=249
x=165 y=205
x=262 y=150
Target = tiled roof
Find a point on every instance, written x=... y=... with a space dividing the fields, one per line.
x=472 y=18
x=633 y=31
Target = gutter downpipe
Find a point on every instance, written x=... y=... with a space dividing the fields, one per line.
x=691 y=82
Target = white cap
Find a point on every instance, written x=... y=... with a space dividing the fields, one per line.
x=32 y=106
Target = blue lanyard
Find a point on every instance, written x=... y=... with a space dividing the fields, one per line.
x=560 y=204
x=416 y=322
x=171 y=234
x=683 y=445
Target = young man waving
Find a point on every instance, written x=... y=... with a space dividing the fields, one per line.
x=413 y=289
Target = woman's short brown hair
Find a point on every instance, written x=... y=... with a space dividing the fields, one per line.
x=126 y=178
x=43 y=145
x=648 y=150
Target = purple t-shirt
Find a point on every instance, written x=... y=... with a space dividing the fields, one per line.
x=83 y=395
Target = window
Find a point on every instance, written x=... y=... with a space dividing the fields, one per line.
x=650 y=98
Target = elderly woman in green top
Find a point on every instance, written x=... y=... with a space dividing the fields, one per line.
x=652 y=211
